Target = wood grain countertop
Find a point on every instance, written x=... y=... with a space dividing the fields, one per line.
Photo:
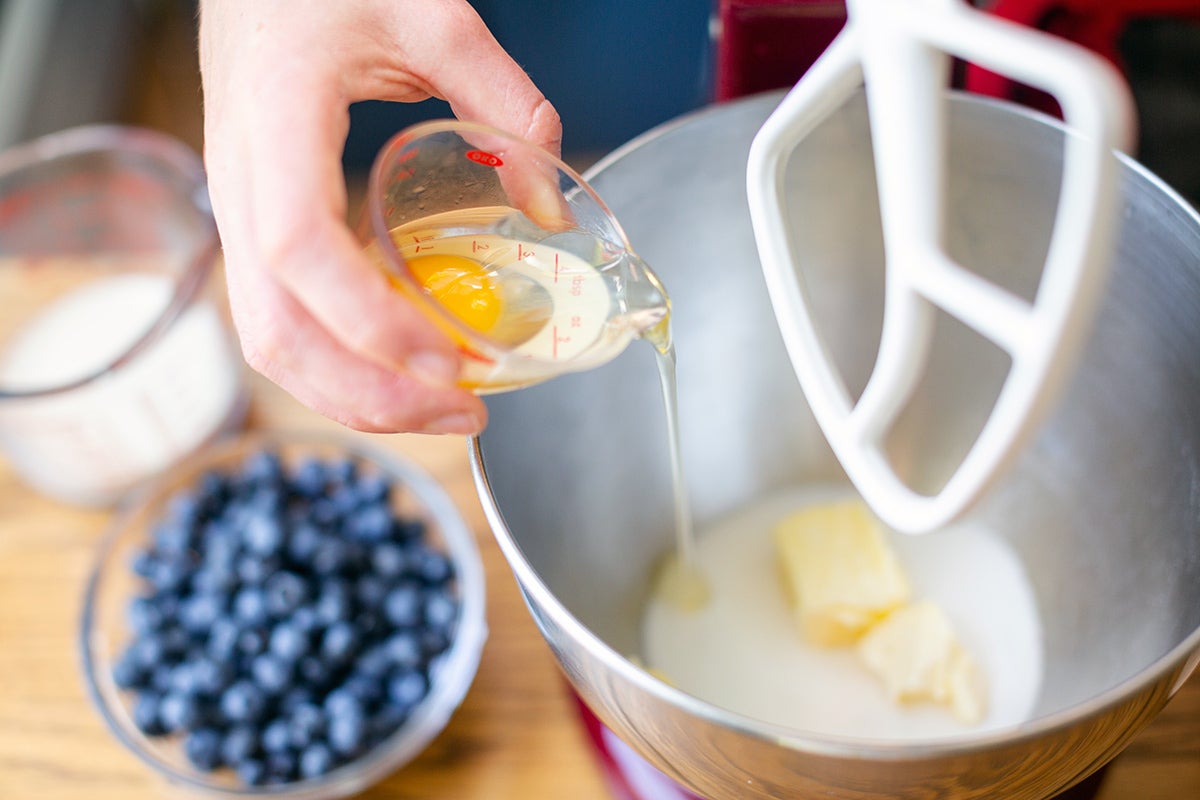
x=515 y=736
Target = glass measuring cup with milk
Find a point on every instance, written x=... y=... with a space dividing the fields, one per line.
x=116 y=357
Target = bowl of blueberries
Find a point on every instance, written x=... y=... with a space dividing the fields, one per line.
x=286 y=616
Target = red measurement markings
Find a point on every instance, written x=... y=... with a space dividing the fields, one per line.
x=522 y=253
x=559 y=340
x=556 y=267
x=477 y=245
x=576 y=321
x=487 y=159
x=577 y=286
x=554 y=347
x=418 y=239
x=421 y=247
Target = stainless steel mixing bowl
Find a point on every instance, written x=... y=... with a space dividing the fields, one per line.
x=1102 y=508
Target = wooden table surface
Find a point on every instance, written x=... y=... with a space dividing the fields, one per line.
x=515 y=736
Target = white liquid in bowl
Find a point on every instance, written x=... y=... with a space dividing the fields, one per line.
x=744 y=652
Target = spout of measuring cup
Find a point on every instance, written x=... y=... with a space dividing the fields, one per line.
x=645 y=302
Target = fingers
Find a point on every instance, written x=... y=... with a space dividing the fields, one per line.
x=450 y=51
x=284 y=343
x=314 y=314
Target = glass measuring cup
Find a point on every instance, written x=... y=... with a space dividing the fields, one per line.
x=510 y=252
x=117 y=358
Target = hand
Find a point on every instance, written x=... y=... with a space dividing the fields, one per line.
x=312 y=312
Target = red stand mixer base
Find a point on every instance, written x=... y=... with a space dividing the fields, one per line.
x=631 y=777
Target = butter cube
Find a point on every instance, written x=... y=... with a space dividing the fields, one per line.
x=841 y=574
x=915 y=653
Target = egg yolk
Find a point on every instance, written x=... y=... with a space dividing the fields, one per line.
x=463 y=286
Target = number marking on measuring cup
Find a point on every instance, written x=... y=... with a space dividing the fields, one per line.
x=578 y=296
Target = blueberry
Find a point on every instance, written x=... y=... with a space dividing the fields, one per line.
x=342 y=471
x=285 y=591
x=373 y=487
x=169 y=575
x=142 y=563
x=252 y=772
x=172 y=539
x=263 y=533
x=183 y=680
x=315 y=761
x=199 y=612
x=250 y=606
x=179 y=712
x=434 y=641
x=289 y=642
x=184 y=509
x=243 y=702
x=343 y=500
x=374 y=662
x=251 y=642
x=304 y=619
x=281 y=767
x=303 y=543
x=388 y=559
x=330 y=557
x=403 y=649
x=263 y=468
x=271 y=673
x=342 y=702
x=255 y=570
x=408 y=531
x=371 y=591
x=145 y=714
x=239 y=744
x=370 y=524
x=347 y=733
x=407 y=688
x=127 y=673
x=143 y=615
x=276 y=738
x=309 y=477
x=174 y=641
x=323 y=512
x=369 y=691
x=294 y=698
x=221 y=548
x=160 y=678
x=203 y=749
x=402 y=606
x=387 y=721
x=305 y=724
x=213 y=488
x=433 y=567
x=210 y=677
x=314 y=671
x=147 y=651
x=223 y=639
x=340 y=642
x=440 y=610
x=214 y=580
x=333 y=604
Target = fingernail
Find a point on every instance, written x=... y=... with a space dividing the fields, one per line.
x=464 y=423
x=433 y=367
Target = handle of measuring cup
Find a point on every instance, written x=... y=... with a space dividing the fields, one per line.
x=1041 y=338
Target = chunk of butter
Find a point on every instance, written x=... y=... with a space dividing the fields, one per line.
x=839 y=570
x=915 y=653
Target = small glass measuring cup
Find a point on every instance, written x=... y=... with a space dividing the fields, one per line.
x=117 y=358
x=510 y=252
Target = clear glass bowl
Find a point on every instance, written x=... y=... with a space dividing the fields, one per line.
x=104 y=631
